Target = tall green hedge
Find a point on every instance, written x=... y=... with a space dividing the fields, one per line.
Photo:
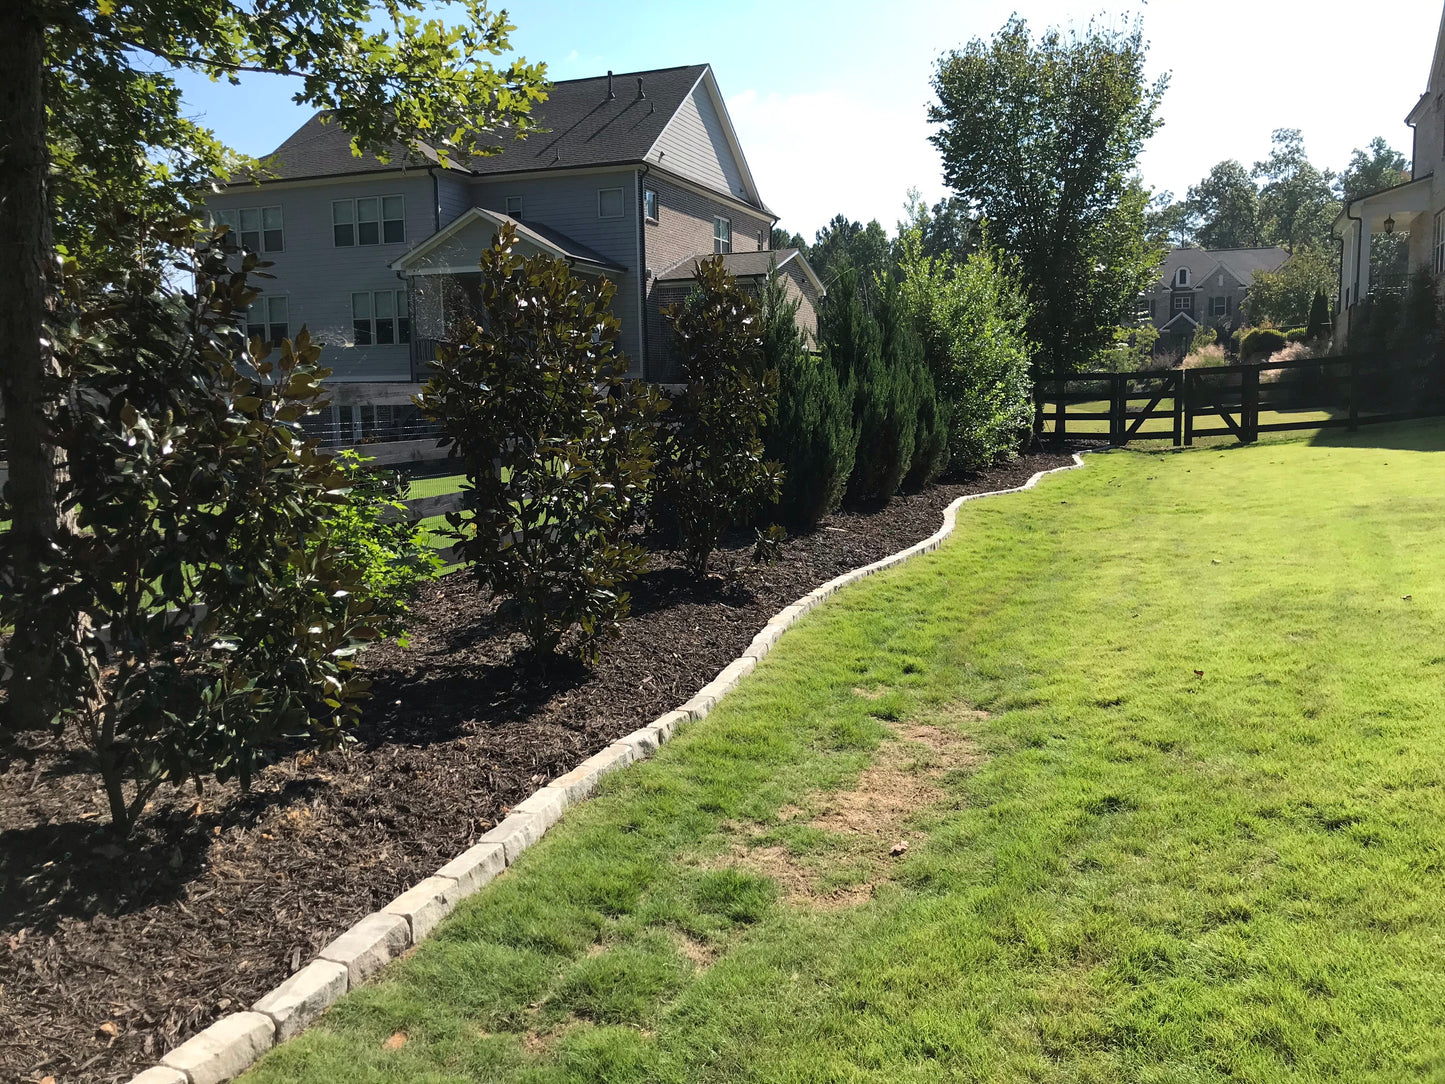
x=813 y=435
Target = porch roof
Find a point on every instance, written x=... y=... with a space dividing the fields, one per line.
x=431 y=256
x=1411 y=197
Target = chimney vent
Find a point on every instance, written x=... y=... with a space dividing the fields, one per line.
x=641 y=94
x=610 y=95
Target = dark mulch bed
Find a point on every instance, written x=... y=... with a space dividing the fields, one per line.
x=110 y=957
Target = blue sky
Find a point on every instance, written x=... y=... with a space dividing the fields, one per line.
x=829 y=98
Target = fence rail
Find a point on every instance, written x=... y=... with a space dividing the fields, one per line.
x=1242 y=401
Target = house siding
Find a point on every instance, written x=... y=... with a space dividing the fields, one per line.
x=694 y=145
x=569 y=204
x=317 y=278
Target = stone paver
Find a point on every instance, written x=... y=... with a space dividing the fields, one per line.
x=582 y=780
x=303 y=997
x=365 y=948
x=226 y=1049
x=160 y=1074
x=475 y=867
x=547 y=804
x=516 y=833
x=425 y=904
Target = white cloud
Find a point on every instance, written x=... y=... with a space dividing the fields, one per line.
x=821 y=154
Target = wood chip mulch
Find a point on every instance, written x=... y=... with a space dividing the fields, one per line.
x=110 y=955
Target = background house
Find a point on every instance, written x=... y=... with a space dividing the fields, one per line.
x=1204 y=287
x=632 y=176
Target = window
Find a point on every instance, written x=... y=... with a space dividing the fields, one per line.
x=514 y=207
x=760 y=240
x=1181 y=278
x=1217 y=306
x=649 y=204
x=1440 y=243
x=256 y=228
x=1183 y=303
x=379 y=318
x=268 y=319
x=609 y=203
x=722 y=235
x=371 y=220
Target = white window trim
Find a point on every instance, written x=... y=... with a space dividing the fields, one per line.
x=656 y=205
x=716 y=239
x=520 y=211
x=265 y=301
x=1440 y=243
x=381 y=221
x=235 y=213
x=400 y=311
x=1181 y=278
x=621 y=203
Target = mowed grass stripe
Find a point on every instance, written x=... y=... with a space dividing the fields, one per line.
x=1144 y=875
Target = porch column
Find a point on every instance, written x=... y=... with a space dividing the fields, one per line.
x=1364 y=257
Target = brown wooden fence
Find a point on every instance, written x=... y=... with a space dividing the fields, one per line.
x=1240 y=401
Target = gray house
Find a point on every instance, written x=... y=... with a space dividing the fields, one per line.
x=1199 y=286
x=633 y=177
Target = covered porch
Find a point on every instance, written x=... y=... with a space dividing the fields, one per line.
x=1396 y=223
x=444 y=282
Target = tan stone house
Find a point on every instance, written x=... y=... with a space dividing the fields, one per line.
x=1204 y=287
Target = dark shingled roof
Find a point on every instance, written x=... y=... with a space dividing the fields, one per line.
x=583 y=128
x=1243 y=263
x=742 y=265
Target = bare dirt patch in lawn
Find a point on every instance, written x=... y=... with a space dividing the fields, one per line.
x=870 y=819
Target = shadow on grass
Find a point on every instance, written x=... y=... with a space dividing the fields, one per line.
x=1423 y=435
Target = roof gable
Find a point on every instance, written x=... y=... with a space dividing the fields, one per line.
x=1242 y=264
x=459 y=245
x=700 y=143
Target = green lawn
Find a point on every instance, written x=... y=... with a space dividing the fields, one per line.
x=435 y=487
x=1119 y=869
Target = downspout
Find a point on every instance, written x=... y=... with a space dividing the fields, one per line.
x=1359 y=245
x=642 y=262
x=436 y=199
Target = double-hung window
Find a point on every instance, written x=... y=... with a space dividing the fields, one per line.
x=369 y=220
x=1440 y=243
x=256 y=228
x=269 y=319
x=609 y=203
x=514 y=207
x=379 y=318
x=722 y=235
x=1217 y=305
x=649 y=204
x=1183 y=303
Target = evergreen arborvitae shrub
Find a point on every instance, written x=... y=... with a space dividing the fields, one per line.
x=1319 y=321
x=556 y=446
x=1259 y=343
x=813 y=435
x=930 y=440
x=884 y=410
x=714 y=471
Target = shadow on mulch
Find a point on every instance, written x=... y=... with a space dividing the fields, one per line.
x=108 y=959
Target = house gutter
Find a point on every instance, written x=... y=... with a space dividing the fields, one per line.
x=1359 y=245
x=642 y=263
x=436 y=199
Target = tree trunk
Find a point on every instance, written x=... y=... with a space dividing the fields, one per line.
x=26 y=361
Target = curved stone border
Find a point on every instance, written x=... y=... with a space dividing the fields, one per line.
x=235 y=1042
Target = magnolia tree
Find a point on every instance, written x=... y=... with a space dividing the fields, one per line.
x=200 y=611
x=557 y=448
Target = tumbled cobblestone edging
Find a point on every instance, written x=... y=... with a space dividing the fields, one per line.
x=235 y=1042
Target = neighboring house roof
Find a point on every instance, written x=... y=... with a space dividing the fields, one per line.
x=1193 y=323
x=583 y=128
x=744 y=265
x=555 y=244
x=1242 y=263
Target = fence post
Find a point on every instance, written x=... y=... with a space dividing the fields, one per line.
x=1354 y=394
x=1116 y=410
x=1187 y=390
x=1060 y=418
x=1039 y=410
x=1177 y=379
x=1249 y=403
